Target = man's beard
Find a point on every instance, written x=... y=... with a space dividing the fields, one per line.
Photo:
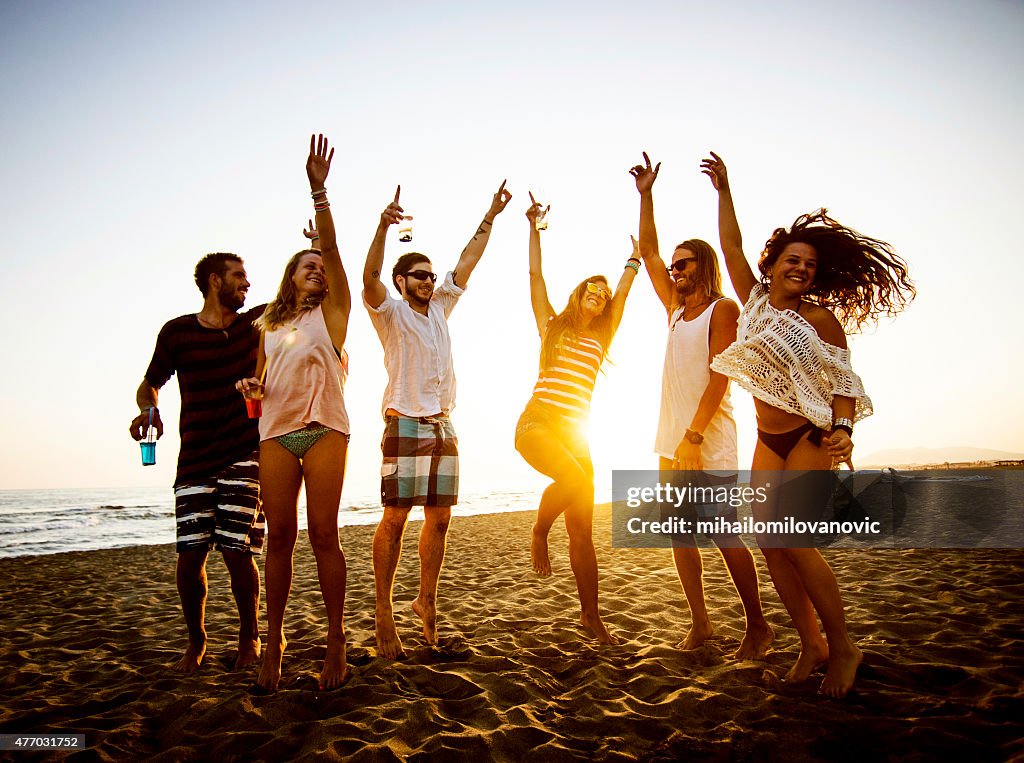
x=231 y=298
x=414 y=296
x=685 y=287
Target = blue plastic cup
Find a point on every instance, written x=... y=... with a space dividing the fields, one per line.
x=148 y=453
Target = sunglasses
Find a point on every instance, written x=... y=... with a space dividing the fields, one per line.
x=599 y=289
x=680 y=265
x=422 y=275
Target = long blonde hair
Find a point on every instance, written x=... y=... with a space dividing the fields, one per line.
x=566 y=325
x=285 y=306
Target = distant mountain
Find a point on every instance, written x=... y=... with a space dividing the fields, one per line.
x=953 y=454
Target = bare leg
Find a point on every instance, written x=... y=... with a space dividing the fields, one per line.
x=192 y=588
x=245 y=585
x=759 y=635
x=843 y=655
x=324 y=470
x=433 y=540
x=579 y=519
x=819 y=582
x=767 y=470
x=690 y=570
x=552 y=505
x=280 y=479
x=387 y=550
x=574 y=480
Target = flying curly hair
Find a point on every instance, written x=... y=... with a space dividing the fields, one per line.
x=858 y=278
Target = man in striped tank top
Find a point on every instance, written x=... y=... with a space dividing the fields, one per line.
x=696 y=429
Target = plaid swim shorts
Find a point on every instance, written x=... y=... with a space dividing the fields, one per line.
x=421 y=462
x=223 y=511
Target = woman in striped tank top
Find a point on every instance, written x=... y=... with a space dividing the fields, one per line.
x=551 y=434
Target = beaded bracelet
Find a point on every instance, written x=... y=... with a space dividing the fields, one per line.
x=634 y=265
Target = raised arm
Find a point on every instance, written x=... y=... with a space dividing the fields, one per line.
x=618 y=303
x=542 y=310
x=373 y=290
x=740 y=273
x=475 y=248
x=338 y=303
x=645 y=177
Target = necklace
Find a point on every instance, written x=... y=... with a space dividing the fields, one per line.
x=206 y=324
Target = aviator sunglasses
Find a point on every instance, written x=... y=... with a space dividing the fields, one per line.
x=599 y=289
x=422 y=275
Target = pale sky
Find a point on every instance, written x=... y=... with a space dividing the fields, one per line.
x=137 y=137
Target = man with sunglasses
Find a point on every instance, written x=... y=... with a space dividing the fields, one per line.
x=421 y=458
x=696 y=429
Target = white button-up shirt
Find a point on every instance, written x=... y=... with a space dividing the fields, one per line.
x=418 y=351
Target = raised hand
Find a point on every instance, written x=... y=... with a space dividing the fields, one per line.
x=644 y=175
x=535 y=209
x=392 y=213
x=319 y=162
x=636 y=247
x=311 y=233
x=500 y=200
x=715 y=169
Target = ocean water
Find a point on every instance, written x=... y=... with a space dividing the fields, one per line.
x=54 y=521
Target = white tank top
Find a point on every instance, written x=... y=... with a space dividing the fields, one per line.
x=685 y=377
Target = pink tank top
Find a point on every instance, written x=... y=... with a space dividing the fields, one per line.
x=305 y=378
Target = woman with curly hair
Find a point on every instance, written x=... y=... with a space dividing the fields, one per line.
x=551 y=432
x=304 y=427
x=819 y=280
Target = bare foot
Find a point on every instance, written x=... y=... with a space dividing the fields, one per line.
x=270 y=669
x=389 y=645
x=810 y=658
x=248 y=653
x=755 y=643
x=539 y=553
x=699 y=633
x=335 y=666
x=193 y=657
x=428 y=614
x=842 y=670
x=595 y=626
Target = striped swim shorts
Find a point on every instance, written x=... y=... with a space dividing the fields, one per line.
x=224 y=511
x=421 y=462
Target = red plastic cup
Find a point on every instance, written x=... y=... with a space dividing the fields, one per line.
x=254 y=407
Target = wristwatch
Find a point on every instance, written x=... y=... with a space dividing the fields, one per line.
x=696 y=438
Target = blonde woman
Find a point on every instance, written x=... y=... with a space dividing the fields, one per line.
x=304 y=427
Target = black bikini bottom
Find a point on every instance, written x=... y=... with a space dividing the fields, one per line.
x=782 y=444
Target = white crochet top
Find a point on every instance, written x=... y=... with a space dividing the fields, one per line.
x=779 y=358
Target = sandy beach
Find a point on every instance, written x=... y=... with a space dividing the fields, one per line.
x=88 y=638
